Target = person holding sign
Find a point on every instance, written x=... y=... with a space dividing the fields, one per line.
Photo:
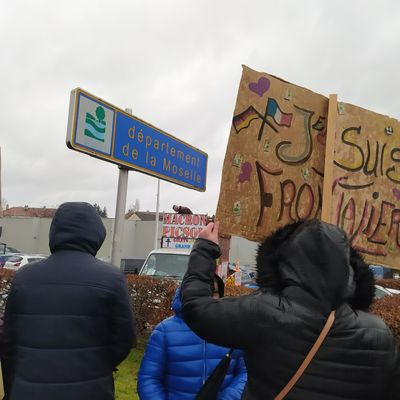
x=305 y=333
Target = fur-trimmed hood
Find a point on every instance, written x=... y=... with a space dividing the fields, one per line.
x=315 y=258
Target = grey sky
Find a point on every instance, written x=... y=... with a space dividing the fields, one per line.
x=177 y=64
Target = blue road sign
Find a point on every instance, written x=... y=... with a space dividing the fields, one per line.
x=98 y=128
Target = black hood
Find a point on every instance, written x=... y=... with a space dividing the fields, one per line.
x=76 y=226
x=307 y=257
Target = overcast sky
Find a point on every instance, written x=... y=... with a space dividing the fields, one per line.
x=177 y=64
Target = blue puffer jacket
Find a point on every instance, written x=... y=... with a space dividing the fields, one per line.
x=177 y=362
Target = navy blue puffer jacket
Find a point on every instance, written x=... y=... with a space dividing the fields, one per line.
x=177 y=362
x=68 y=318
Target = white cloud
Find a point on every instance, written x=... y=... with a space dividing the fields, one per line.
x=178 y=65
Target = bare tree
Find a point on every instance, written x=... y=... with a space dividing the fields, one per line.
x=134 y=207
x=101 y=211
x=3 y=204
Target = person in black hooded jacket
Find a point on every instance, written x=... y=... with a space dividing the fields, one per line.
x=68 y=318
x=305 y=270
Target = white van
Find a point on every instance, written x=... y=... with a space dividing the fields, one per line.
x=166 y=263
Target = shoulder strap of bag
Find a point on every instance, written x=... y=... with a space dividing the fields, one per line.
x=309 y=357
x=211 y=386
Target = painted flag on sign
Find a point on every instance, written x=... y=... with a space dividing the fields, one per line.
x=281 y=118
x=244 y=119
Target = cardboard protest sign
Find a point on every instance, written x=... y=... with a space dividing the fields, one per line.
x=274 y=163
x=366 y=182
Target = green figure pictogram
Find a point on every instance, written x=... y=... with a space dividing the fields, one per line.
x=95 y=127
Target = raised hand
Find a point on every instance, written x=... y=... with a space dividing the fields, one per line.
x=210 y=232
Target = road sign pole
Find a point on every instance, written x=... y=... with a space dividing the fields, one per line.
x=116 y=253
x=156 y=244
x=119 y=221
x=1 y=199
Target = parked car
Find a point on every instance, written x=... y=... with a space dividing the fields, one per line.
x=381 y=291
x=166 y=263
x=246 y=277
x=393 y=291
x=18 y=260
x=173 y=263
x=9 y=249
x=381 y=272
x=4 y=249
x=5 y=257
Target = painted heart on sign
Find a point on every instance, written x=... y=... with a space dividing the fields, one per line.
x=260 y=87
x=396 y=193
x=245 y=172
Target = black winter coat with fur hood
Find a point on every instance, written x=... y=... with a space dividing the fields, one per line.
x=305 y=270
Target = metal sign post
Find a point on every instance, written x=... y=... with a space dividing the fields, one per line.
x=116 y=252
x=156 y=243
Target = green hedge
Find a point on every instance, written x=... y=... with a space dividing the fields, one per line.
x=152 y=298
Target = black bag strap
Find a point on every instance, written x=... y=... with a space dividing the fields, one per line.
x=211 y=386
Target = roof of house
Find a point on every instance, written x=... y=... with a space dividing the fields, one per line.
x=143 y=215
x=42 y=212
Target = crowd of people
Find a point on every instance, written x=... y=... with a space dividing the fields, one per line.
x=306 y=333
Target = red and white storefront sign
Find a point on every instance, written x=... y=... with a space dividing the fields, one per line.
x=183 y=225
x=180 y=230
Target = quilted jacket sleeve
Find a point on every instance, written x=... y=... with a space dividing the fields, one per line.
x=213 y=319
x=235 y=390
x=7 y=343
x=123 y=323
x=394 y=377
x=152 y=367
